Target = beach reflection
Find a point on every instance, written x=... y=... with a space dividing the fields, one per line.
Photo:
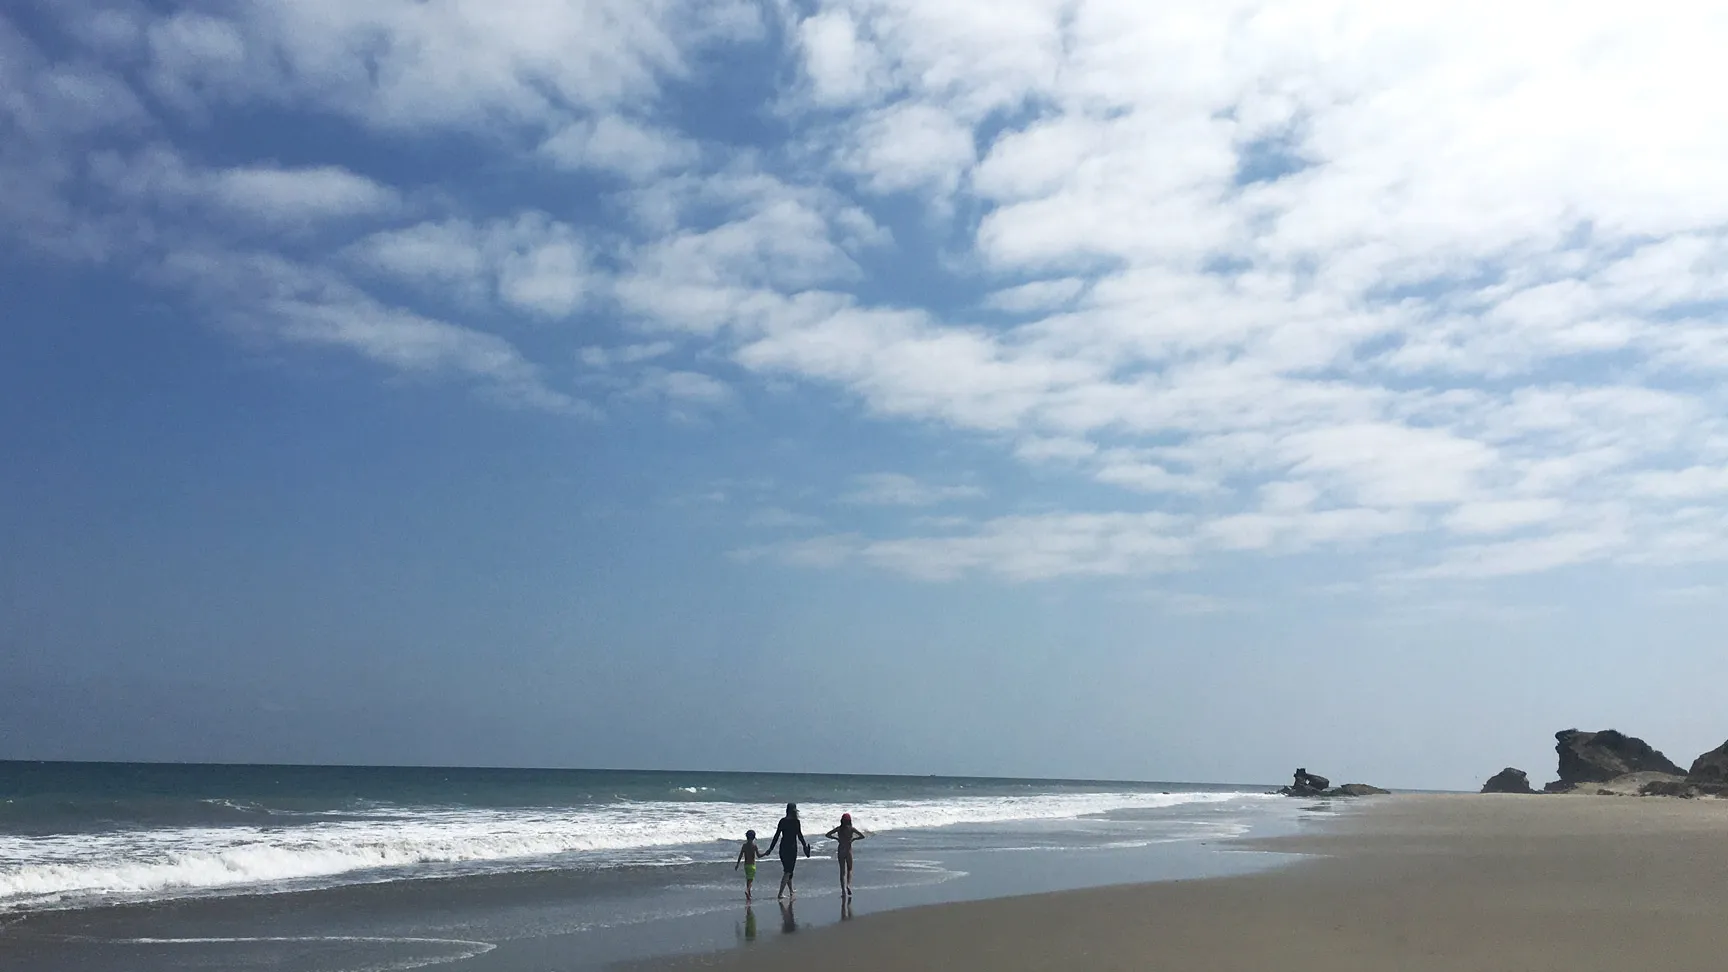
x=845 y=908
x=749 y=931
x=788 y=923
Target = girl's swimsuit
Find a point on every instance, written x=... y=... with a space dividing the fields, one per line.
x=844 y=836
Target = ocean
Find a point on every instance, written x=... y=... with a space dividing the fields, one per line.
x=365 y=869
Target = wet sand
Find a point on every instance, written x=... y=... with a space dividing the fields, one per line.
x=1411 y=883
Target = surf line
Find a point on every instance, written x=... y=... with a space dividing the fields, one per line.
x=468 y=948
x=375 y=939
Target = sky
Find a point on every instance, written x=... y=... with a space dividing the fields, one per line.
x=1078 y=388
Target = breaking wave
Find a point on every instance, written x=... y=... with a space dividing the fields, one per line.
x=70 y=870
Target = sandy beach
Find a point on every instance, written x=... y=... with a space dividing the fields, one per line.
x=1408 y=883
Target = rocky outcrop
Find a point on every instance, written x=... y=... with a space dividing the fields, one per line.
x=1632 y=784
x=1712 y=767
x=1669 y=788
x=1307 y=784
x=1508 y=780
x=1598 y=757
x=1356 y=790
x=1558 y=786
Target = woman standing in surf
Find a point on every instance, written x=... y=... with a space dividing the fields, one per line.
x=788 y=835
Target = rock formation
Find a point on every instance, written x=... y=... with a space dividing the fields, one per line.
x=1508 y=780
x=1673 y=788
x=1356 y=790
x=1307 y=784
x=1711 y=768
x=1598 y=757
x=1633 y=784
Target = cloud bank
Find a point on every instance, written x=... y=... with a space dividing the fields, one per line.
x=1444 y=286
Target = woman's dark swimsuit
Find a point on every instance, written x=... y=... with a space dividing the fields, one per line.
x=790 y=834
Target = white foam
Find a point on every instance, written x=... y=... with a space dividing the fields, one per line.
x=72 y=869
x=459 y=949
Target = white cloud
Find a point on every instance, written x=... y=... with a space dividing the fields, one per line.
x=1501 y=516
x=689 y=397
x=195 y=56
x=1300 y=275
x=1148 y=477
x=772 y=241
x=80 y=99
x=1391 y=465
x=775 y=518
x=1040 y=295
x=1691 y=483
x=267 y=297
x=266 y=196
x=905 y=364
x=1532 y=555
x=290 y=196
x=912 y=146
x=685 y=388
x=828 y=551
x=842 y=67
x=448 y=254
x=531 y=263
x=51 y=115
x=1016 y=548
x=1042 y=449
x=617 y=144
x=976 y=54
x=1293 y=531
x=899 y=489
x=549 y=277
x=597 y=357
x=403 y=64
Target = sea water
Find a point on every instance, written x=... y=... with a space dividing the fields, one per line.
x=130 y=866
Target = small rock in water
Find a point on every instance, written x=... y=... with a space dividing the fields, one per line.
x=1356 y=790
x=1306 y=784
x=1309 y=785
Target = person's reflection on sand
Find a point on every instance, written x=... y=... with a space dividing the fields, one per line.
x=788 y=924
x=845 y=907
x=749 y=923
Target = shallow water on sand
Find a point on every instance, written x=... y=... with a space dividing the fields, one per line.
x=514 y=870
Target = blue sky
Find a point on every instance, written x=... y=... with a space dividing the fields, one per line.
x=1080 y=388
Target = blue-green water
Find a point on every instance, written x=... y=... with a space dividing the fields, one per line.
x=606 y=863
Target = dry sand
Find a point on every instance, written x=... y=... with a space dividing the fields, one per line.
x=1408 y=884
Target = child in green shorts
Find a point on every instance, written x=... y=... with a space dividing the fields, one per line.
x=747 y=856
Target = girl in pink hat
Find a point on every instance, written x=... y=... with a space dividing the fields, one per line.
x=845 y=834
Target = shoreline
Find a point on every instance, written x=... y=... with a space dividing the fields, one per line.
x=1411 y=882
x=575 y=919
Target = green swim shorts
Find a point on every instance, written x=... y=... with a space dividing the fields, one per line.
x=749 y=872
